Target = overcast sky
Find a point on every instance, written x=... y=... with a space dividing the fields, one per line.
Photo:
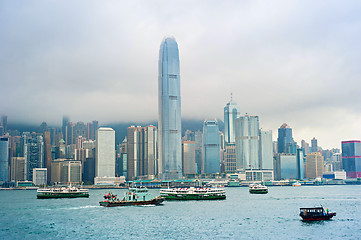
x=296 y=62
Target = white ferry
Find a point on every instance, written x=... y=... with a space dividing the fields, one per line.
x=193 y=193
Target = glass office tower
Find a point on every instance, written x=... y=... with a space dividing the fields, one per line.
x=211 y=148
x=351 y=158
x=231 y=113
x=247 y=142
x=4 y=159
x=169 y=120
x=286 y=144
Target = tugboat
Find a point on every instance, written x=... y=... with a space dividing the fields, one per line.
x=258 y=189
x=63 y=192
x=134 y=196
x=316 y=214
x=193 y=193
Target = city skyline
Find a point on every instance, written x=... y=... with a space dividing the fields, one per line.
x=250 y=50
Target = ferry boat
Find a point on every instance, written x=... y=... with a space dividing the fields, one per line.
x=316 y=214
x=62 y=192
x=193 y=193
x=134 y=196
x=258 y=189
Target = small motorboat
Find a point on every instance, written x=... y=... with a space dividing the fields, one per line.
x=316 y=214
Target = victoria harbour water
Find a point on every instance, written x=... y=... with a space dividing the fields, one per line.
x=240 y=216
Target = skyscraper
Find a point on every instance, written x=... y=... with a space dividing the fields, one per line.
x=286 y=144
x=189 y=157
x=105 y=153
x=247 y=142
x=266 y=149
x=142 y=152
x=231 y=113
x=4 y=123
x=33 y=153
x=169 y=100
x=314 y=147
x=351 y=158
x=47 y=154
x=314 y=165
x=211 y=149
x=4 y=159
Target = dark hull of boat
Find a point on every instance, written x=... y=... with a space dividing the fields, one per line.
x=185 y=197
x=62 y=195
x=155 y=201
x=318 y=218
x=258 y=191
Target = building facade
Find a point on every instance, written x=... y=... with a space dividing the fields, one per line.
x=189 y=157
x=231 y=113
x=265 y=149
x=169 y=120
x=247 y=142
x=285 y=142
x=314 y=165
x=105 y=153
x=40 y=176
x=4 y=159
x=211 y=147
x=351 y=158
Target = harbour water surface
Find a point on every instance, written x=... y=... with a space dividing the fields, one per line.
x=240 y=216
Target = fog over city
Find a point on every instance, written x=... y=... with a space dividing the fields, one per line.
x=294 y=62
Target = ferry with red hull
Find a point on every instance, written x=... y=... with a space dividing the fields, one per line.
x=315 y=214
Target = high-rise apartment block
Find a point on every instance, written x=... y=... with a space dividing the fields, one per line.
x=351 y=158
x=169 y=100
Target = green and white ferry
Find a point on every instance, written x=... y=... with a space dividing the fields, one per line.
x=62 y=192
x=193 y=193
x=258 y=189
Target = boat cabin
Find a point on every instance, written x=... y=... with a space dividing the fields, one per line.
x=316 y=210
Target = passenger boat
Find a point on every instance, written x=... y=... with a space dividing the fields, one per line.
x=258 y=189
x=296 y=184
x=62 y=192
x=193 y=193
x=316 y=214
x=134 y=196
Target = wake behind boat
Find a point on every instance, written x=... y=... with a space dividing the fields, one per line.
x=132 y=197
x=62 y=192
x=193 y=193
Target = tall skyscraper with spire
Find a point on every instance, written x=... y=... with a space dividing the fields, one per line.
x=169 y=106
x=231 y=113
